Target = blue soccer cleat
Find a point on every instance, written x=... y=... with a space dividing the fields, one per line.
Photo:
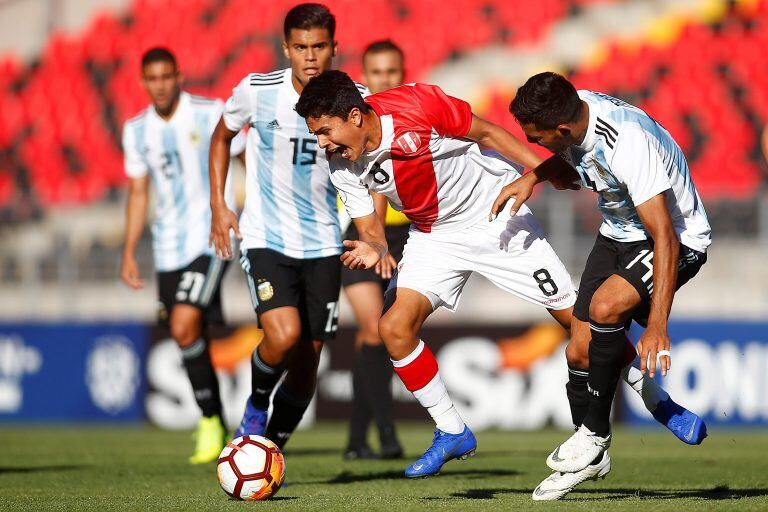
x=687 y=426
x=444 y=447
x=254 y=421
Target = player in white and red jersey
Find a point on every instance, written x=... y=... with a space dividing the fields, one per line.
x=419 y=148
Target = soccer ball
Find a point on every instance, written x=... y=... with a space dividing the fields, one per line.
x=251 y=468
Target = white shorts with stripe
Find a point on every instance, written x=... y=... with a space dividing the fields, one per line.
x=511 y=252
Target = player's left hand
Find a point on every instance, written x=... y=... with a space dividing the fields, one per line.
x=362 y=255
x=650 y=344
x=385 y=266
x=519 y=191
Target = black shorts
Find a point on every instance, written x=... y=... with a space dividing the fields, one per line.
x=397 y=236
x=634 y=262
x=310 y=285
x=198 y=284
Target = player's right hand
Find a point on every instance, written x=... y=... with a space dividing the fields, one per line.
x=519 y=191
x=361 y=256
x=129 y=273
x=386 y=266
x=222 y=221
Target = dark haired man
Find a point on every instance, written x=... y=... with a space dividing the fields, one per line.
x=168 y=142
x=372 y=372
x=289 y=226
x=653 y=239
x=383 y=66
x=419 y=147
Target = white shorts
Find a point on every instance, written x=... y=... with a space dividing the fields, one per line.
x=511 y=252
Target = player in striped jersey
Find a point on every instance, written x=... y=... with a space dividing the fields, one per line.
x=168 y=145
x=289 y=227
x=372 y=372
x=653 y=239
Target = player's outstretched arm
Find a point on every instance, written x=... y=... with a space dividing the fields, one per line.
x=494 y=137
x=222 y=218
x=135 y=216
x=666 y=250
x=370 y=248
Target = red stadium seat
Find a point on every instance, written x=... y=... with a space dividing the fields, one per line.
x=86 y=86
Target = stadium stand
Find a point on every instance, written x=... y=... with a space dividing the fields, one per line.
x=62 y=112
x=59 y=133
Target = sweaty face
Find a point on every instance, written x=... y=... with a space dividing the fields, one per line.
x=162 y=82
x=556 y=139
x=383 y=70
x=337 y=135
x=310 y=51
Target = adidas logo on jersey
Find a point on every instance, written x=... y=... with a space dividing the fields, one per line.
x=273 y=125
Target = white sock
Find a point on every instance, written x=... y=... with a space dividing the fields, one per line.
x=434 y=397
x=647 y=388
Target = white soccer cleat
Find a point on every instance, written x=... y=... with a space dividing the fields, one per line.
x=558 y=484
x=578 y=451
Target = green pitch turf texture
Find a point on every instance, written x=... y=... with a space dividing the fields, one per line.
x=141 y=468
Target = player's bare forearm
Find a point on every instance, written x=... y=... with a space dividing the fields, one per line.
x=380 y=205
x=223 y=220
x=135 y=214
x=370 y=229
x=666 y=251
x=498 y=139
x=218 y=161
x=558 y=172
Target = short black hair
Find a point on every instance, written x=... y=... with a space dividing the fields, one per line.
x=546 y=100
x=385 y=45
x=308 y=16
x=330 y=93
x=158 y=54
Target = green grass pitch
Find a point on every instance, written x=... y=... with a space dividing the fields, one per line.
x=141 y=468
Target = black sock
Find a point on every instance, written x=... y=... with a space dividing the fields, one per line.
x=287 y=410
x=361 y=411
x=607 y=354
x=377 y=369
x=205 y=384
x=578 y=394
x=263 y=381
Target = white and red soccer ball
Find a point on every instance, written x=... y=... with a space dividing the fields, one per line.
x=251 y=468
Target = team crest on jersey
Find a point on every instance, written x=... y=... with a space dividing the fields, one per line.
x=600 y=170
x=195 y=138
x=265 y=290
x=409 y=142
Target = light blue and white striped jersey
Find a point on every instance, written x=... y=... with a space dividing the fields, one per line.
x=627 y=158
x=290 y=203
x=175 y=155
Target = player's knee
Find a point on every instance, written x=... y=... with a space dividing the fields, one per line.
x=184 y=333
x=577 y=355
x=368 y=333
x=394 y=331
x=605 y=310
x=283 y=338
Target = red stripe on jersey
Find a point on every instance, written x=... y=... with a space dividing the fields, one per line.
x=416 y=184
x=412 y=162
x=419 y=372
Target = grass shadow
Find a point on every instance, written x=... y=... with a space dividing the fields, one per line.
x=349 y=477
x=40 y=469
x=718 y=493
